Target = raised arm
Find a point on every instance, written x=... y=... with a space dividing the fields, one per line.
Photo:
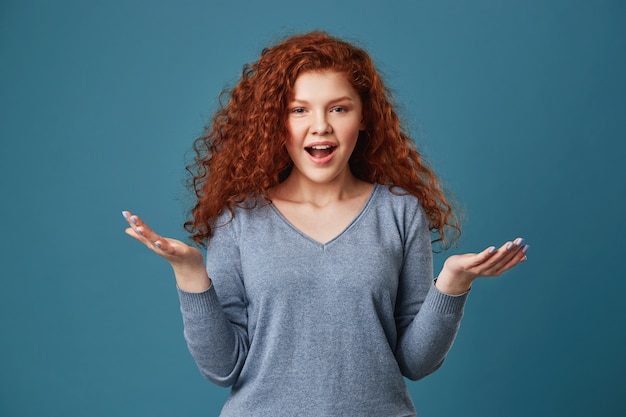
x=429 y=315
x=216 y=334
x=424 y=344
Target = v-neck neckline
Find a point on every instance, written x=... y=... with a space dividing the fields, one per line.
x=341 y=233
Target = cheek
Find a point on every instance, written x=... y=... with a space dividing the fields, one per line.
x=351 y=131
x=293 y=131
x=291 y=147
x=296 y=134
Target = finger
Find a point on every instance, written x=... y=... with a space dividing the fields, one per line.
x=525 y=252
x=482 y=257
x=131 y=232
x=141 y=228
x=513 y=248
x=494 y=266
x=132 y=219
x=493 y=255
x=142 y=232
x=163 y=244
x=520 y=256
x=513 y=253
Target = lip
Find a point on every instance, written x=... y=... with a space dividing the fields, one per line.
x=324 y=160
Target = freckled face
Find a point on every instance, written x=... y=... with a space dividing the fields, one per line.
x=325 y=117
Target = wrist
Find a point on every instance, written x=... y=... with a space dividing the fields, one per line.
x=453 y=284
x=191 y=279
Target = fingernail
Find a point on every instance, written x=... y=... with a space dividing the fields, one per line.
x=138 y=232
x=125 y=214
x=509 y=246
x=519 y=242
x=157 y=244
x=525 y=249
x=133 y=219
x=492 y=249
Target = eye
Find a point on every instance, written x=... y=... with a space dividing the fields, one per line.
x=297 y=110
x=339 y=109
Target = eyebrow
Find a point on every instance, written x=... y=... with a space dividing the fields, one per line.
x=333 y=101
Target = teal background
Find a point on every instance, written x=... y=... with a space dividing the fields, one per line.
x=519 y=105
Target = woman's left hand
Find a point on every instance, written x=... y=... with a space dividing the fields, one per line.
x=459 y=271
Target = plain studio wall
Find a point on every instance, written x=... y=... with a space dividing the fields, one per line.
x=519 y=106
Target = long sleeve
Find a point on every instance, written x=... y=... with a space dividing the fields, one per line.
x=215 y=321
x=427 y=320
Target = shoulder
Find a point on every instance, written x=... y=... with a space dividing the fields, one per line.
x=396 y=197
x=242 y=215
x=398 y=206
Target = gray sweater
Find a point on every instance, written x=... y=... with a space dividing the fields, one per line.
x=300 y=328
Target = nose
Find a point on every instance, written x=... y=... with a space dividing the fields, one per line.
x=320 y=125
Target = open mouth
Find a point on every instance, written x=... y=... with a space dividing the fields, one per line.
x=320 y=151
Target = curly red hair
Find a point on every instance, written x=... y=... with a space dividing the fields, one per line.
x=242 y=153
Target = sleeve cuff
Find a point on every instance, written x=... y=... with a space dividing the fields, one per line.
x=444 y=303
x=198 y=303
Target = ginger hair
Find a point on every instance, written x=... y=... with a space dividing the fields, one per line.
x=242 y=153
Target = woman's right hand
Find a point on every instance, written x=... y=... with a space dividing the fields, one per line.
x=186 y=261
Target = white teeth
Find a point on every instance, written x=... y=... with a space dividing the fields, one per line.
x=321 y=147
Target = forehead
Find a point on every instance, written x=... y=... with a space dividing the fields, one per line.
x=328 y=83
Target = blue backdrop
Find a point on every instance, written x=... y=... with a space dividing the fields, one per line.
x=519 y=105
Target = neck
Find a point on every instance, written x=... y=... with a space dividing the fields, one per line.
x=300 y=189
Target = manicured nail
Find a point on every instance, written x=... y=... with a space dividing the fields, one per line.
x=525 y=249
x=138 y=232
x=157 y=244
x=509 y=246
x=492 y=250
x=519 y=242
x=133 y=219
x=125 y=214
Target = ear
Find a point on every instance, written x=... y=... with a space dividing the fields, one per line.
x=362 y=124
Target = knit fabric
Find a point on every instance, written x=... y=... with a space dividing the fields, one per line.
x=301 y=328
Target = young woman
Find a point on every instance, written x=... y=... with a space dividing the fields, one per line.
x=317 y=295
